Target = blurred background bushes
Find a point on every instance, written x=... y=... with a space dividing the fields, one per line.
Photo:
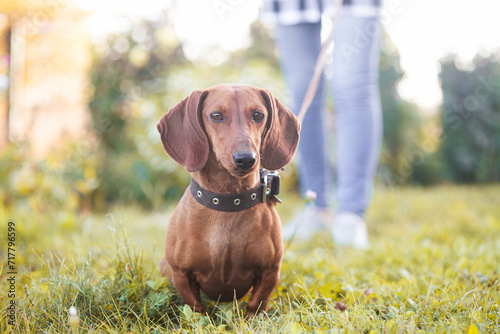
x=129 y=76
x=138 y=75
x=470 y=116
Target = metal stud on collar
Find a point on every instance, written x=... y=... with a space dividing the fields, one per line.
x=237 y=201
x=199 y=194
x=215 y=201
x=253 y=197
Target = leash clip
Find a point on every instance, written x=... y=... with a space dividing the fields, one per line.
x=270 y=184
x=265 y=189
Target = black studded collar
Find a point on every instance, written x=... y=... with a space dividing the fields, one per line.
x=269 y=187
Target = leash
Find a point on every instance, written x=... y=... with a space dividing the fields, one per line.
x=320 y=64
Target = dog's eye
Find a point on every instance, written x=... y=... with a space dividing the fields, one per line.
x=258 y=116
x=217 y=116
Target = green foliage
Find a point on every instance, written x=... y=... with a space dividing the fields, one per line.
x=471 y=120
x=402 y=122
x=130 y=80
x=52 y=184
x=425 y=273
x=262 y=47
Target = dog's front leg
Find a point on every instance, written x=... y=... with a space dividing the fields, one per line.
x=189 y=290
x=264 y=286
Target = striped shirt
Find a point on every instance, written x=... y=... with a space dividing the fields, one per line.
x=288 y=12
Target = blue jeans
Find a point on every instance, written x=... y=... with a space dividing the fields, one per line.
x=358 y=114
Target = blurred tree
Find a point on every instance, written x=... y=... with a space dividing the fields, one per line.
x=470 y=117
x=261 y=48
x=402 y=121
x=130 y=79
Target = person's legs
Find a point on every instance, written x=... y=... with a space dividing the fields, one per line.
x=358 y=114
x=299 y=46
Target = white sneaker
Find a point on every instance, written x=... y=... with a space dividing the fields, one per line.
x=306 y=224
x=349 y=229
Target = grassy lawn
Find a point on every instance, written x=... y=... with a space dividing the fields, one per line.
x=433 y=267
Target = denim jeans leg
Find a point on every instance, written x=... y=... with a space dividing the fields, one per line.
x=358 y=114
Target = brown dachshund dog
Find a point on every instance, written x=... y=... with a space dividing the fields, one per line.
x=222 y=135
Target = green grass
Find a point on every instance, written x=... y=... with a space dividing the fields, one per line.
x=433 y=267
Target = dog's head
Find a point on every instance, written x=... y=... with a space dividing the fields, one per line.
x=242 y=126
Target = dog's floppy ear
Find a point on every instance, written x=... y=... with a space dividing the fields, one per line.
x=182 y=133
x=282 y=134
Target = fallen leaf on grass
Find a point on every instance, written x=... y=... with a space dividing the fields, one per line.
x=340 y=306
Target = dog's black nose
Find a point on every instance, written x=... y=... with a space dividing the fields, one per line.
x=244 y=160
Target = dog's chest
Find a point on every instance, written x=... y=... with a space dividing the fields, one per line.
x=235 y=254
x=229 y=238
x=238 y=242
